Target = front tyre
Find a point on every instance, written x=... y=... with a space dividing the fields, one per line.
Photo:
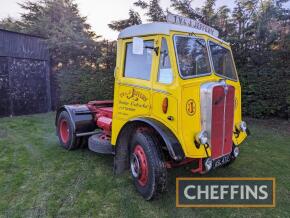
x=147 y=165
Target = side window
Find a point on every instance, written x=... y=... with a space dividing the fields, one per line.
x=222 y=61
x=165 y=74
x=139 y=66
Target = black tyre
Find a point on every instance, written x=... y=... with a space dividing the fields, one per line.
x=147 y=165
x=65 y=132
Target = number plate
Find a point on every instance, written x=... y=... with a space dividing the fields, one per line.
x=221 y=161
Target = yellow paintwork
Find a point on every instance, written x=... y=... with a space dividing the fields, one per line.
x=139 y=98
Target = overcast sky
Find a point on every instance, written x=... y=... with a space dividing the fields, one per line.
x=99 y=12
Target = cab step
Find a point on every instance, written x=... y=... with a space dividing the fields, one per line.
x=100 y=143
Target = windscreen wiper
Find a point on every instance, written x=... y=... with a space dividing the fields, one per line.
x=201 y=43
x=156 y=49
x=198 y=40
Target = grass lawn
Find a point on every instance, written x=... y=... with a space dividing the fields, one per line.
x=38 y=178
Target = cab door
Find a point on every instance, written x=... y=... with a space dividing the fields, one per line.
x=135 y=80
x=164 y=91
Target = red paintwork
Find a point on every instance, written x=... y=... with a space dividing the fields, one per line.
x=218 y=100
x=171 y=164
x=104 y=137
x=229 y=117
x=100 y=103
x=222 y=121
x=64 y=131
x=106 y=112
x=105 y=123
x=140 y=153
x=199 y=169
x=103 y=113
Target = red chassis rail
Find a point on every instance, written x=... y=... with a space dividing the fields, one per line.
x=103 y=113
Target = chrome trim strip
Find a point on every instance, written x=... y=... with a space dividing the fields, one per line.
x=161 y=91
x=87 y=133
x=206 y=107
x=137 y=86
x=145 y=87
x=224 y=117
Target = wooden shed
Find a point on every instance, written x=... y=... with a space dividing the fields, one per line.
x=24 y=74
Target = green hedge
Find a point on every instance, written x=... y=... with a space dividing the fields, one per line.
x=83 y=85
x=265 y=92
x=288 y=98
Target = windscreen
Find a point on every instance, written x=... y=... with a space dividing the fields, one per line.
x=192 y=56
x=222 y=61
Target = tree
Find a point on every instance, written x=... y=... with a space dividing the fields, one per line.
x=243 y=14
x=258 y=31
x=224 y=22
x=72 y=44
x=184 y=8
x=154 y=11
x=108 y=56
x=10 y=24
x=69 y=37
x=258 y=43
x=134 y=19
x=208 y=11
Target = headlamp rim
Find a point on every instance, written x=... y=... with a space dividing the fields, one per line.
x=243 y=126
x=201 y=136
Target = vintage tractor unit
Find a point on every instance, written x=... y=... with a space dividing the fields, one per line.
x=177 y=100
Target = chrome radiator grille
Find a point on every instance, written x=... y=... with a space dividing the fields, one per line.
x=217 y=112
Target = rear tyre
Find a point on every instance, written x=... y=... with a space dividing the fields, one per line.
x=147 y=165
x=65 y=132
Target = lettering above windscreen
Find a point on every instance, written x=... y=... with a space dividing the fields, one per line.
x=176 y=19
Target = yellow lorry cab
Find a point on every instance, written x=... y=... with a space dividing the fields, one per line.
x=177 y=100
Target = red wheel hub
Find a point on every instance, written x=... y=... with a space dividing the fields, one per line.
x=139 y=165
x=64 y=131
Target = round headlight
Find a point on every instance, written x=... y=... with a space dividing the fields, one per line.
x=208 y=164
x=243 y=126
x=202 y=137
x=236 y=152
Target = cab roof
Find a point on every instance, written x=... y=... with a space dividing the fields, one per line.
x=159 y=28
